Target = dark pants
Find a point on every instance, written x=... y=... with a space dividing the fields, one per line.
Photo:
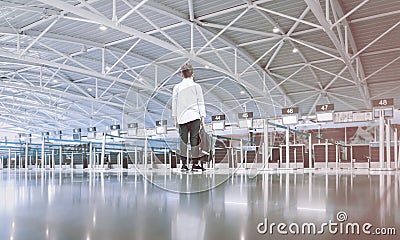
x=193 y=128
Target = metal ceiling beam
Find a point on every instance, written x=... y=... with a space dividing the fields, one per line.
x=319 y=14
x=52 y=13
x=375 y=40
x=159 y=29
x=191 y=10
x=241 y=30
x=37 y=61
x=275 y=24
x=29 y=105
x=349 y=13
x=230 y=10
x=24 y=7
x=132 y=10
x=108 y=23
x=122 y=57
x=53 y=92
x=159 y=8
x=381 y=68
x=272 y=58
x=289 y=17
x=40 y=35
x=223 y=30
x=123 y=29
x=371 y=17
x=338 y=12
x=294 y=81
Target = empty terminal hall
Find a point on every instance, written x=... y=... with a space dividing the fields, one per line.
x=199 y=119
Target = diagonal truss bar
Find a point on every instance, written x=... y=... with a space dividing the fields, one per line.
x=291 y=75
x=64 y=55
x=380 y=69
x=90 y=7
x=349 y=13
x=222 y=31
x=261 y=57
x=242 y=30
x=159 y=29
x=70 y=82
x=215 y=51
x=316 y=49
x=333 y=74
x=376 y=39
x=367 y=18
x=123 y=56
x=272 y=58
x=133 y=9
x=294 y=81
x=289 y=17
x=38 y=37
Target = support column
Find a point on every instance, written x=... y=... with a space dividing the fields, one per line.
x=37 y=158
x=60 y=156
x=53 y=165
x=266 y=146
x=43 y=155
x=241 y=153
x=396 y=156
x=90 y=155
x=121 y=161
x=72 y=161
x=326 y=153
x=145 y=152
x=287 y=147
x=95 y=160
x=165 y=158
x=136 y=157
x=16 y=158
x=103 y=150
x=388 y=159
x=337 y=156
x=381 y=140
x=9 y=159
x=26 y=154
x=310 y=151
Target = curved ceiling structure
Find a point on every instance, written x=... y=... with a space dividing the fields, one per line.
x=77 y=63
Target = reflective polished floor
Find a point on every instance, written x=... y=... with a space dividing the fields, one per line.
x=128 y=205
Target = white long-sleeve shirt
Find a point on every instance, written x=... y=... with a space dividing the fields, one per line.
x=188 y=101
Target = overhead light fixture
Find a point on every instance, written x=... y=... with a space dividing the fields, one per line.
x=206 y=66
x=89 y=89
x=242 y=92
x=108 y=68
x=295 y=50
x=102 y=27
x=275 y=30
x=55 y=81
x=140 y=79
